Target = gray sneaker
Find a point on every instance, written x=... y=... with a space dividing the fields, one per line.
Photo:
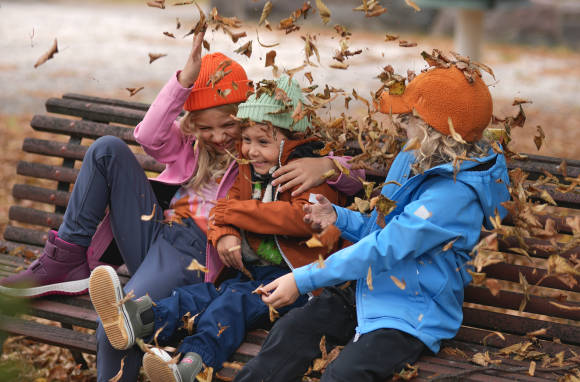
x=123 y=323
x=159 y=368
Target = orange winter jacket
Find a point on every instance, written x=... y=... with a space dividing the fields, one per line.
x=282 y=218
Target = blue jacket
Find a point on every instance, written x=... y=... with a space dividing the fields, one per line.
x=432 y=210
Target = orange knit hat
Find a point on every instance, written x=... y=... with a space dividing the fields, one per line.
x=440 y=94
x=234 y=86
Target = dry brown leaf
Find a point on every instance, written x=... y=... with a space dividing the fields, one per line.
x=565 y=307
x=413 y=144
x=155 y=56
x=119 y=374
x=156 y=4
x=391 y=37
x=539 y=139
x=273 y=313
x=169 y=34
x=308 y=76
x=370 y=278
x=448 y=246
x=245 y=49
x=270 y=58
x=323 y=11
x=177 y=23
x=539 y=332
x=532 y=369
x=48 y=55
x=500 y=335
x=401 y=284
x=407 y=44
x=133 y=91
x=206 y=375
x=453 y=133
x=494 y=286
x=146 y=218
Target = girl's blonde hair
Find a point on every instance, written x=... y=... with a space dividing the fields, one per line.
x=437 y=148
x=211 y=165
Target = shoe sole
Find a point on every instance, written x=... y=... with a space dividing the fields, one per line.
x=69 y=288
x=157 y=369
x=106 y=292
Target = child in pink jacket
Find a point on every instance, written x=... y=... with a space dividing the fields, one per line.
x=197 y=151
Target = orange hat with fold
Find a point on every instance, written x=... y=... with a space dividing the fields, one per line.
x=233 y=87
x=440 y=94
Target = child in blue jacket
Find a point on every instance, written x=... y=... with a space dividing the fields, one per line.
x=409 y=290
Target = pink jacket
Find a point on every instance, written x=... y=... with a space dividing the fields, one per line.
x=161 y=138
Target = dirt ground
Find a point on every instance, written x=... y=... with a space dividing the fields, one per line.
x=103 y=49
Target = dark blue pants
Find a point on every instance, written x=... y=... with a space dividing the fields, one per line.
x=232 y=306
x=156 y=254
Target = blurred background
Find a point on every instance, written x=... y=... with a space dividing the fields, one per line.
x=533 y=47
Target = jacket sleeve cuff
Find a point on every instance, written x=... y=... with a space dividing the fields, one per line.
x=219 y=213
x=216 y=233
x=303 y=279
x=341 y=217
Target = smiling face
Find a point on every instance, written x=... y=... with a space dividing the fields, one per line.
x=217 y=128
x=261 y=144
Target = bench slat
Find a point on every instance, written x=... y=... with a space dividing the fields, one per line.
x=44 y=171
x=511 y=300
x=37 y=217
x=77 y=152
x=83 y=128
x=25 y=235
x=107 y=101
x=84 y=342
x=94 y=111
x=40 y=194
x=504 y=322
x=65 y=313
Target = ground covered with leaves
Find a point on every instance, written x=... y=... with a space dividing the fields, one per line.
x=548 y=77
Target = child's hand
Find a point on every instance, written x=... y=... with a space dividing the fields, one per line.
x=281 y=292
x=306 y=172
x=230 y=251
x=320 y=215
x=190 y=71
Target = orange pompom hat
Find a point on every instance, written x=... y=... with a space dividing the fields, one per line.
x=440 y=94
x=234 y=86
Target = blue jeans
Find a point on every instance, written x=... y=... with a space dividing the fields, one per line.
x=156 y=254
x=232 y=307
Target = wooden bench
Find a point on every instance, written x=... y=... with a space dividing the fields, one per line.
x=85 y=118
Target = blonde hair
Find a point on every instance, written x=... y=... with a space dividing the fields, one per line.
x=211 y=165
x=437 y=148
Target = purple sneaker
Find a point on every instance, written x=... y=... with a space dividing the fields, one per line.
x=61 y=269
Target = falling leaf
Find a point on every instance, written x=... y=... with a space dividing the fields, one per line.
x=270 y=58
x=48 y=55
x=168 y=34
x=391 y=37
x=407 y=44
x=323 y=11
x=370 y=279
x=177 y=23
x=265 y=12
x=519 y=101
x=265 y=45
x=245 y=49
x=339 y=65
x=224 y=92
x=478 y=277
x=539 y=139
x=221 y=329
x=155 y=56
x=273 y=313
x=133 y=91
x=196 y=266
x=401 y=284
x=412 y=4
x=308 y=76
x=146 y=218
x=156 y=4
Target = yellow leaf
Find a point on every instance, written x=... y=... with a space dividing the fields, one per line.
x=412 y=4
x=146 y=218
x=532 y=368
x=401 y=284
x=413 y=144
x=314 y=242
x=196 y=266
x=370 y=279
x=265 y=12
x=453 y=133
x=273 y=313
x=321 y=262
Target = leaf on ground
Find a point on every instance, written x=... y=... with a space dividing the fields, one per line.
x=48 y=55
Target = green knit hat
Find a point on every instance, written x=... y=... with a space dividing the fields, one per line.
x=265 y=108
